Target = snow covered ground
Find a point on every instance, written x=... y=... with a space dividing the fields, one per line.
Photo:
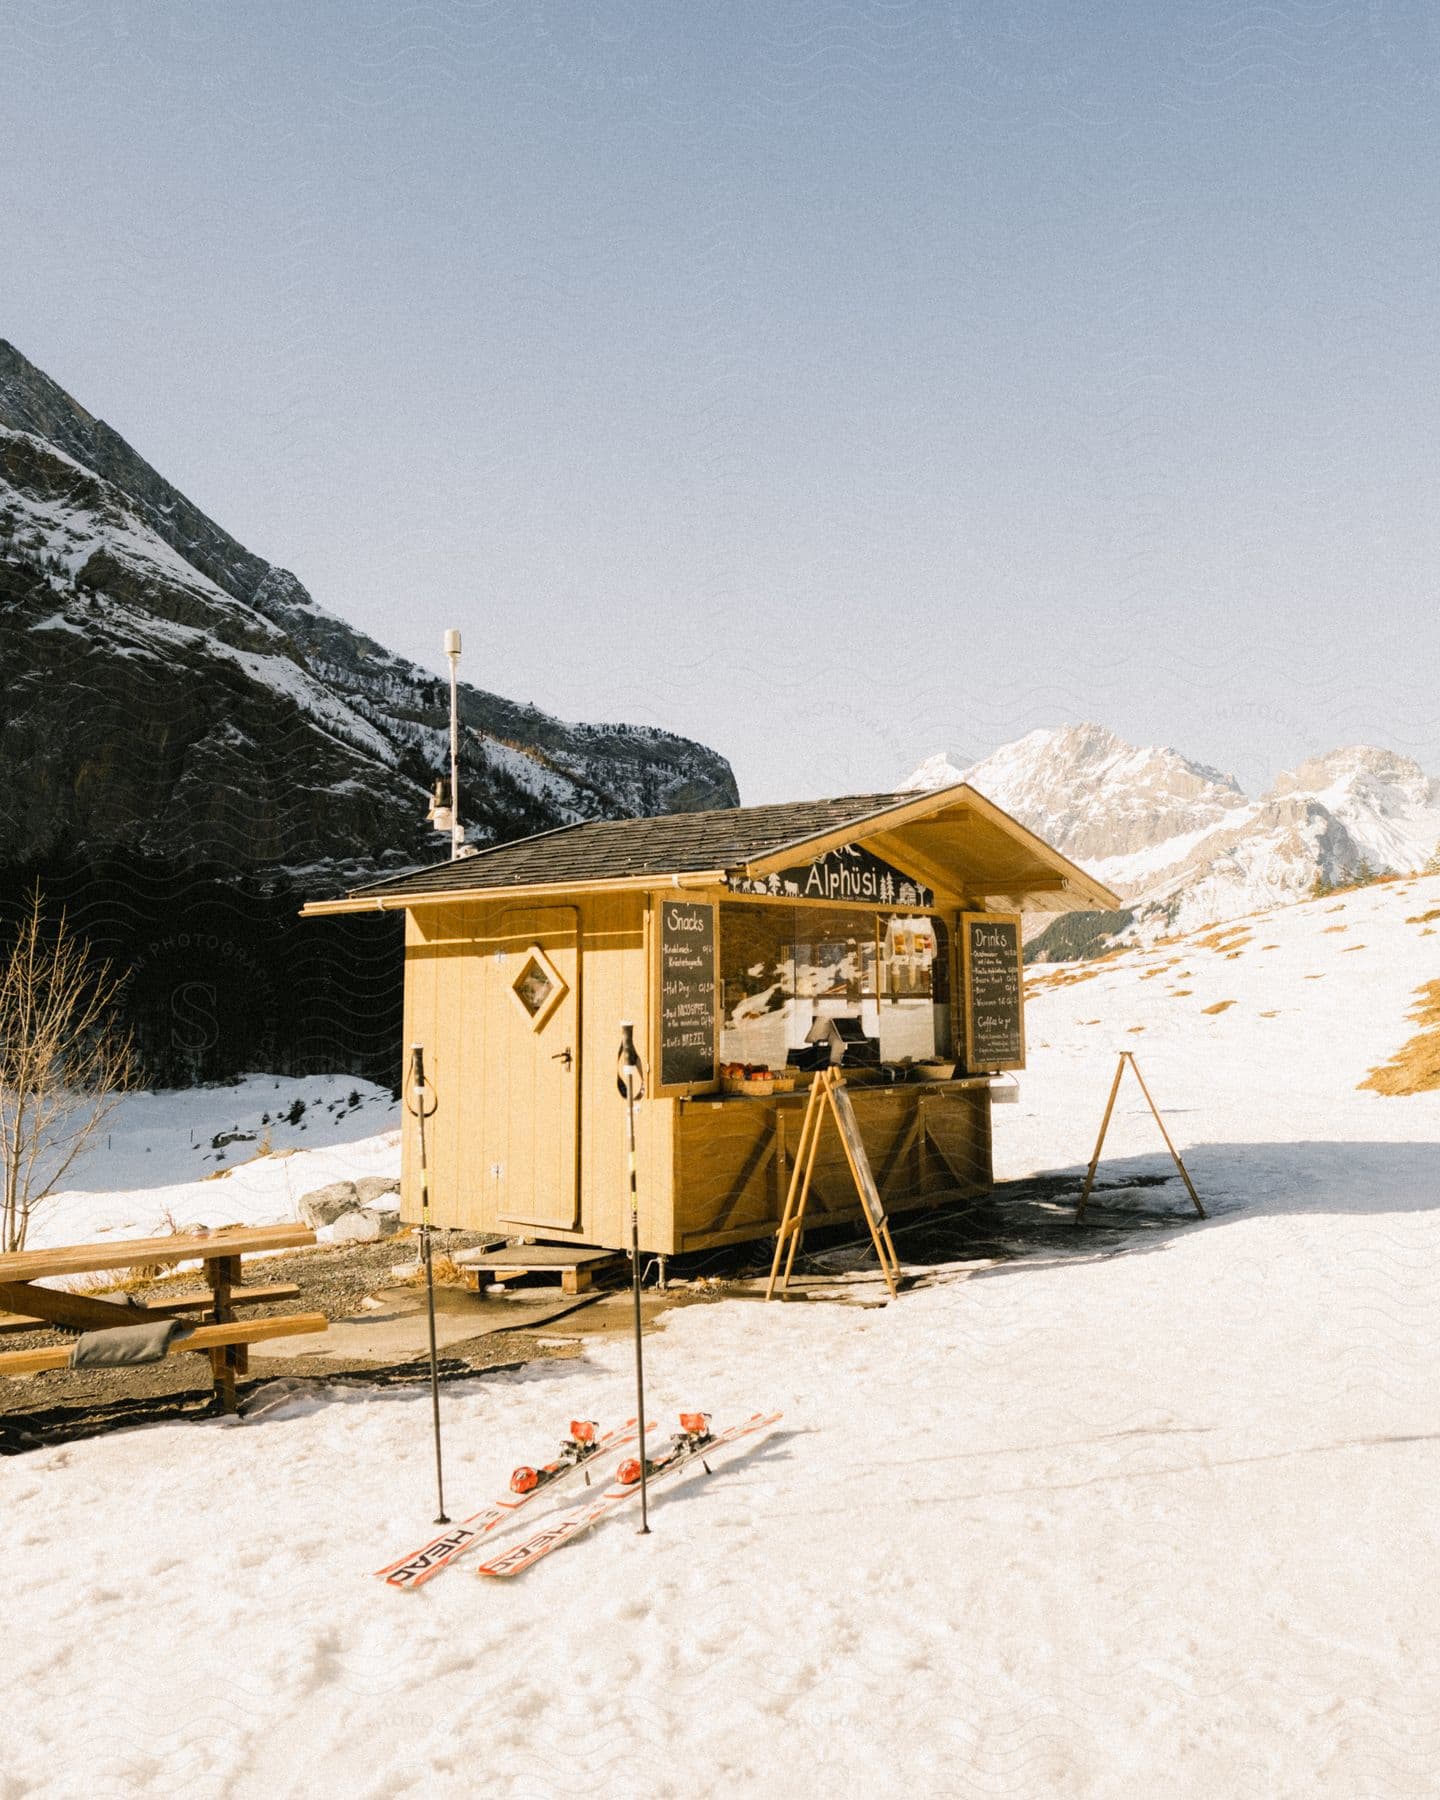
x=1160 y=1520
x=236 y=1155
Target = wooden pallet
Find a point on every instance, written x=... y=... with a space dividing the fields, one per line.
x=576 y=1268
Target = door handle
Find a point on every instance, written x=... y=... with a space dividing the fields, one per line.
x=563 y=1056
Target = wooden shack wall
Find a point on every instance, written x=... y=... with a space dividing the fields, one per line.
x=444 y=1012
x=615 y=937
x=455 y=993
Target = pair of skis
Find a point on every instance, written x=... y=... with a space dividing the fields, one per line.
x=694 y=1440
x=579 y=1449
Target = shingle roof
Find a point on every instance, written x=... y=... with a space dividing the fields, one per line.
x=613 y=849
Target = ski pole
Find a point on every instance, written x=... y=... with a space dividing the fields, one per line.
x=417 y=1064
x=630 y=1079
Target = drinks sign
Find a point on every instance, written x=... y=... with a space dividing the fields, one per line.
x=687 y=993
x=849 y=873
x=993 y=989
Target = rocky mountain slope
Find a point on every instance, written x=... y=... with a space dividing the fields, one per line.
x=1182 y=844
x=171 y=694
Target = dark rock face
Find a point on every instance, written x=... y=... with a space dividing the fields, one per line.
x=168 y=693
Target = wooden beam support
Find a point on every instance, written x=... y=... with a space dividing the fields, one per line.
x=204 y=1337
x=56 y=1306
x=272 y=1294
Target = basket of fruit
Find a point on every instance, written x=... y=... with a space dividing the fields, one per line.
x=747 y=1078
x=935 y=1069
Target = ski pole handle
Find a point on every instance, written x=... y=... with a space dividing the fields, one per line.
x=417 y=1068
x=629 y=1070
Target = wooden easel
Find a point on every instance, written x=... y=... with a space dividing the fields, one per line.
x=1129 y=1056
x=828 y=1090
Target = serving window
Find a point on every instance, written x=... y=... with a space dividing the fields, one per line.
x=785 y=970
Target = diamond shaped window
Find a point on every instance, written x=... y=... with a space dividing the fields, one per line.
x=538 y=987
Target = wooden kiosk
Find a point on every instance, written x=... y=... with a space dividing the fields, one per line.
x=880 y=933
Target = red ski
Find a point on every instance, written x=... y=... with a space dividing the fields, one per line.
x=578 y=1450
x=695 y=1439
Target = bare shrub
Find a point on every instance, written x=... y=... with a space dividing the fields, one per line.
x=64 y=1062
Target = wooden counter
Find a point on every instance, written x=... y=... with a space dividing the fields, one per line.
x=928 y=1141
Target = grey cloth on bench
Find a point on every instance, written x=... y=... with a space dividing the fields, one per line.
x=120 y=1346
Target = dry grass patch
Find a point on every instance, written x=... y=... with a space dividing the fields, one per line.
x=1229 y=939
x=1329 y=928
x=448 y=1273
x=1425 y=918
x=1415 y=1066
x=1218 y=1007
x=1036 y=984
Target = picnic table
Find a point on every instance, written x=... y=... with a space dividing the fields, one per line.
x=223 y=1335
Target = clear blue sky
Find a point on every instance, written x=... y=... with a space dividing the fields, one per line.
x=834 y=384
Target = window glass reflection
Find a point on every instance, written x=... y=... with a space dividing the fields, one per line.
x=783 y=968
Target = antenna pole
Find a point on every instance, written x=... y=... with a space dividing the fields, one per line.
x=457 y=830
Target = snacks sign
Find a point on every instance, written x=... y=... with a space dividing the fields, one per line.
x=687 y=993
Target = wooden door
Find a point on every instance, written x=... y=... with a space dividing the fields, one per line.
x=539 y=1001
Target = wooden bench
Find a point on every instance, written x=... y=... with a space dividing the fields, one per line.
x=224 y=1336
x=252 y=1294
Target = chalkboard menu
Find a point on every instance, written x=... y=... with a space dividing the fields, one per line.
x=687 y=993
x=993 y=991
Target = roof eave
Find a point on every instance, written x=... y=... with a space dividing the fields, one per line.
x=1088 y=894
x=888 y=818
x=534 y=890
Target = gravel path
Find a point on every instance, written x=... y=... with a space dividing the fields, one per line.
x=1015 y=1220
x=334 y=1279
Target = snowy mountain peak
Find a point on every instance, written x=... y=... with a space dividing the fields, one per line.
x=1181 y=842
x=941 y=770
x=1091 y=794
x=1386 y=802
x=1353 y=766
